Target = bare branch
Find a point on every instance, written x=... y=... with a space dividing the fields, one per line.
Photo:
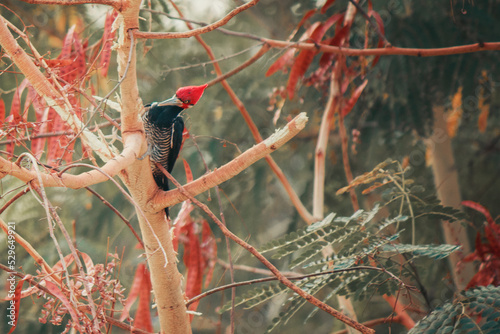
x=294 y=277
x=198 y=31
x=232 y=168
x=321 y=146
x=118 y=213
x=29 y=249
x=112 y=167
x=244 y=65
x=113 y=3
x=388 y=51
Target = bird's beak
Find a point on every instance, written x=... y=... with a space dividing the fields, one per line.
x=173 y=101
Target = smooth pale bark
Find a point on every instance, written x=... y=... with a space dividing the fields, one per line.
x=448 y=191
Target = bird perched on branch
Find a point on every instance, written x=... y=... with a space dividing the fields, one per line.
x=164 y=127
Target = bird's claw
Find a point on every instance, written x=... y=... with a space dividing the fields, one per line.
x=148 y=152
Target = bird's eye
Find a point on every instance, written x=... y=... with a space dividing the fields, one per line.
x=188 y=102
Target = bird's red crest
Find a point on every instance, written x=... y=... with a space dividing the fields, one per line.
x=189 y=95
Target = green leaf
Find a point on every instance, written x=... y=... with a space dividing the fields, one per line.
x=432 y=251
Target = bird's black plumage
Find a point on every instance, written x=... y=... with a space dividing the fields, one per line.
x=164 y=127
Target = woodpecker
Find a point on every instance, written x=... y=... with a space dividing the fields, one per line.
x=164 y=127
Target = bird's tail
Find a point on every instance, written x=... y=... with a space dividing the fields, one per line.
x=162 y=183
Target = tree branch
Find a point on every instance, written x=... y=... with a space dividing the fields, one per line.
x=198 y=31
x=388 y=51
x=232 y=168
x=113 y=3
x=112 y=167
x=321 y=146
x=290 y=276
x=30 y=250
x=239 y=68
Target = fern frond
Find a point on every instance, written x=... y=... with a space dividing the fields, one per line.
x=475 y=311
x=256 y=296
x=432 y=251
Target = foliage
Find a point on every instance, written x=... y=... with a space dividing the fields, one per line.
x=473 y=311
x=359 y=239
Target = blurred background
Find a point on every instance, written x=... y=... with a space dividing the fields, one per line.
x=392 y=119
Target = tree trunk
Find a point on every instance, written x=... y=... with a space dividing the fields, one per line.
x=448 y=191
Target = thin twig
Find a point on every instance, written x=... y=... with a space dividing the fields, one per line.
x=292 y=278
x=51 y=212
x=228 y=246
x=370 y=22
x=239 y=68
x=373 y=323
x=31 y=251
x=321 y=147
x=113 y=3
x=14 y=198
x=57 y=133
x=202 y=30
x=118 y=213
x=254 y=269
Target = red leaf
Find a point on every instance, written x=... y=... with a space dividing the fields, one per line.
x=282 y=61
x=79 y=63
x=180 y=222
x=15 y=108
x=41 y=114
x=480 y=249
x=68 y=73
x=54 y=124
x=336 y=40
x=194 y=264
x=286 y=58
x=68 y=259
x=189 y=173
x=134 y=290
x=58 y=62
x=107 y=38
x=493 y=240
x=305 y=57
x=142 y=318
x=331 y=21
x=87 y=260
x=67 y=43
x=354 y=98
x=306 y=16
x=380 y=24
x=303 y=60
x=2 y=112
x=209 y=249
x=54 y=290
x=478 y=207
x=327 y=4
